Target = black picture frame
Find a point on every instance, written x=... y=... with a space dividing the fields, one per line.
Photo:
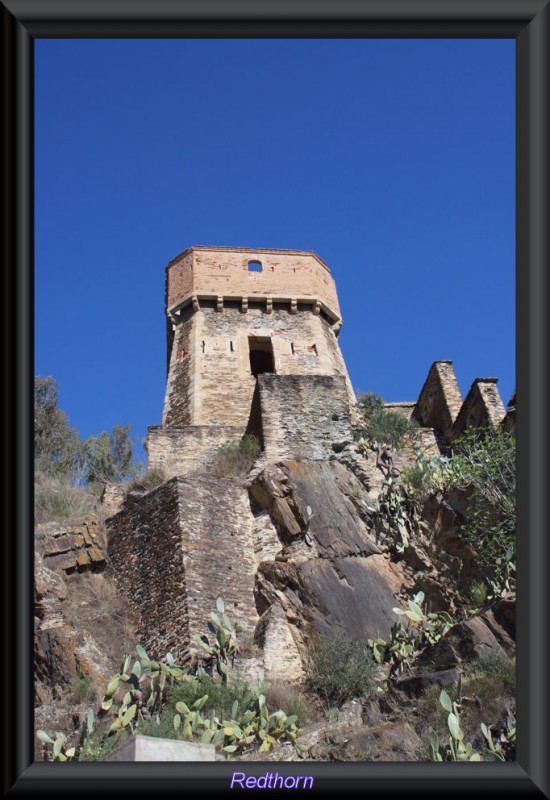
x=526 y=21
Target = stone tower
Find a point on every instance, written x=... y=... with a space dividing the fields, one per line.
x=252 y=348
x=234 y=314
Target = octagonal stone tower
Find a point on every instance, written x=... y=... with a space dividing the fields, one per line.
x=234 y=314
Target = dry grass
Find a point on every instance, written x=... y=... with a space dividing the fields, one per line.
x=55 y=500
x=235 y=459
x=150 y=480
x=92 y=603
x=289 y=698
x=488 y=696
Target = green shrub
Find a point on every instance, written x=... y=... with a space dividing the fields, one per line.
x=341 y=669
x=221 y=696
x=428 y=475
x=484 y=463
x=492 y=676
x=97 y=747
x=383 y=427
x=235 y=459
x=478 y=594
x=81 y=688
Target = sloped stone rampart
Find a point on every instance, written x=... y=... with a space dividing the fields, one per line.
x=145 y=555
x=175 y=550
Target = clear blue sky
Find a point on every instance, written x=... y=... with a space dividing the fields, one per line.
x=392 y=159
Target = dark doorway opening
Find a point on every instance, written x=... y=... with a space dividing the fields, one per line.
x=261 y=355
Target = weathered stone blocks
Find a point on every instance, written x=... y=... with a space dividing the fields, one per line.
x=175 y=550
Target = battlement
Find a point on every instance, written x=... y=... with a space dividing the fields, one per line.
x=238 y=275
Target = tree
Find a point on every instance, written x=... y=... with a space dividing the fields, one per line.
x=61 y=453
x=56 y=445
x=108 y=456
x=122 y=452
x=383 y=427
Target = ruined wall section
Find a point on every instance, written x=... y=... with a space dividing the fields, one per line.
x=304 y=417
x=440 y=400
x=210 y=380
x=482 y=407
x=146 y=558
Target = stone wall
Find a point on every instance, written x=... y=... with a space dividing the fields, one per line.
x=509 y=421
x=482 y=407
x=181 y=449
x=210 y=381
x=440 y=400
x=181 y=382
x=145 y=555
x=72 y=548
x=113 y=498
x=223 y=272
x=174 y=552
x=216 y=526
x=303 y=416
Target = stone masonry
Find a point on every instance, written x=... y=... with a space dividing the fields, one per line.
x=232 y=314
x=482 y=407
x=440 y=400
x=174 y=553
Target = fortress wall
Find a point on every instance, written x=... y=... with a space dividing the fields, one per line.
x=181 y=381
x=178 y=450
x=218 y=551
x=303 y=415
x=210 y=380
x=145 y=555
x=440 y=400
x=174 y=552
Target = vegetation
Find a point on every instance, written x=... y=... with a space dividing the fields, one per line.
x=224 y=647
x=57 y=446
x=484 y=464
x=162 y=698
x=59 y=451
x=405 y=642
x=70 y=473
x=483 y=468
x=235 y=459
x=55 y=499
x=457 y=748
x=149 y=480
x=342 y=669
x=382 y=427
